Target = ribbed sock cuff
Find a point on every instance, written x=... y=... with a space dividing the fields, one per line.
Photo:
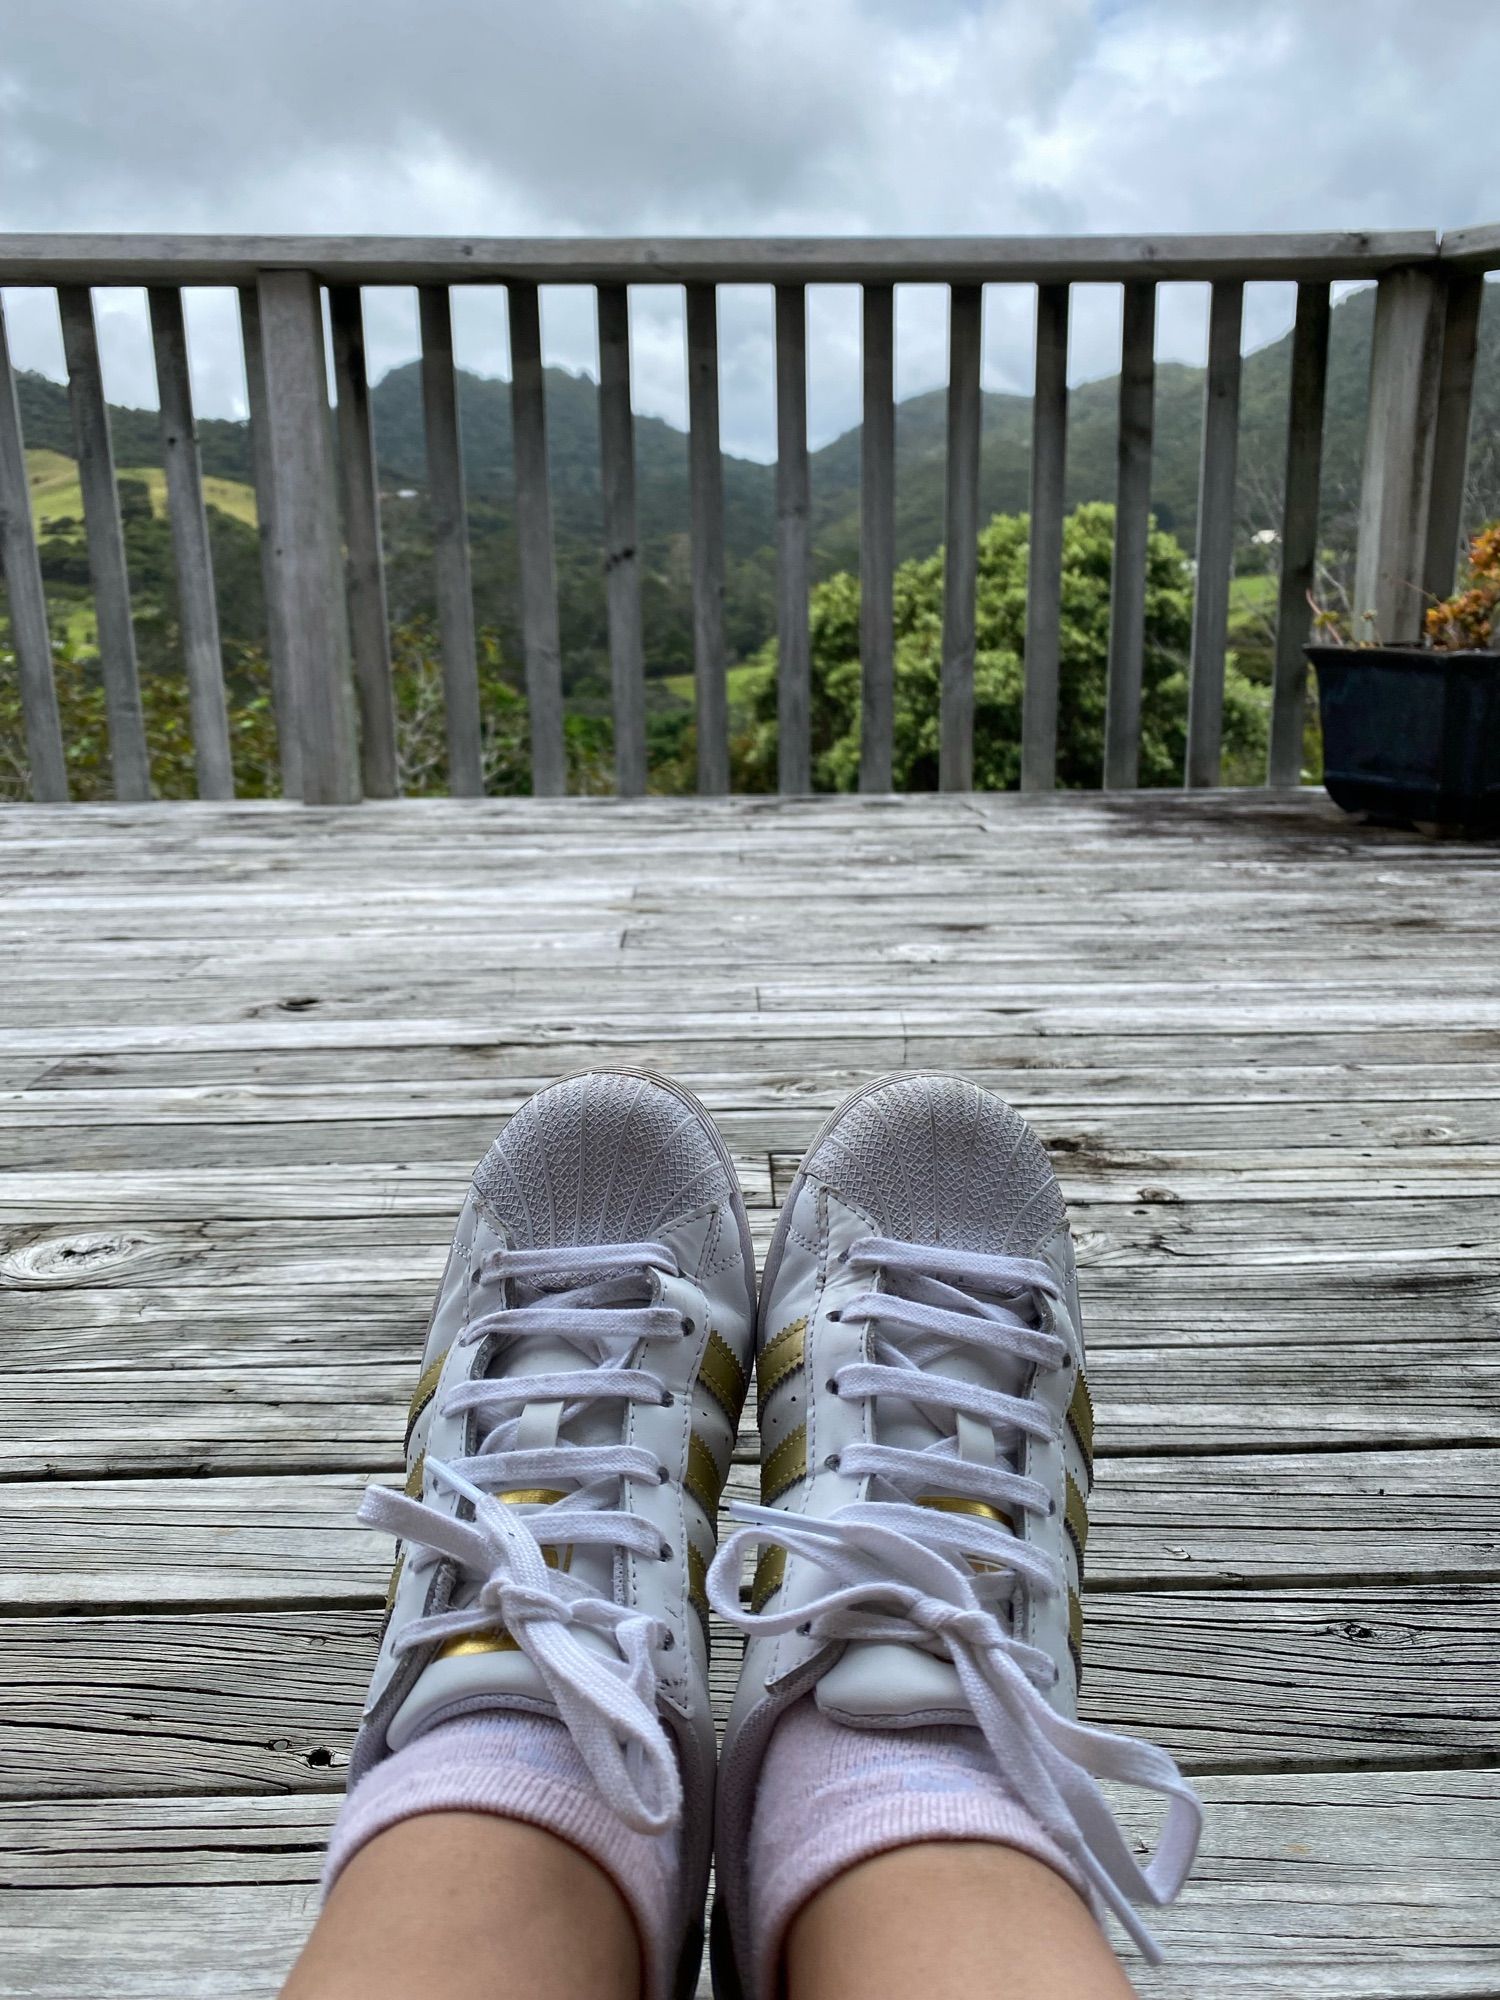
x=523 y=1768
x=831 y=1797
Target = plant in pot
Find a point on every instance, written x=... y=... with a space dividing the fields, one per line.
x=1412 y=733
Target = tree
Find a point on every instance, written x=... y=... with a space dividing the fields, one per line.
x=1088 y=547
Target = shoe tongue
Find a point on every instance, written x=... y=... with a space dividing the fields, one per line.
x=461 y=1681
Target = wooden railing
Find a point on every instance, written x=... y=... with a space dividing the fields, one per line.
x=318 y=498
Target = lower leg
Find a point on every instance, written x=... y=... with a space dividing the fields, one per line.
x=471 y=1907
x=954 y=1920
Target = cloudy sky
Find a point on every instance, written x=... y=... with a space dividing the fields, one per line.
x=563 y=117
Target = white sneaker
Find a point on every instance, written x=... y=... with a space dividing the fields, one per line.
x=568 y=1441
x=926 y=1459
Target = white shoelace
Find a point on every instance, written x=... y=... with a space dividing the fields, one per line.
x=902 y=1572
x=595 y=1298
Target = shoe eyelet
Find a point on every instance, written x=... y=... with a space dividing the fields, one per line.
x=831 y=1463
x=804 y=1631
x=1051 y=1506
x=669 y=1642
x=835 y=1316
x=664 y=1553
x=662 y=1475
x=666 y=1399
x=832 y=1385
x=689 y=1327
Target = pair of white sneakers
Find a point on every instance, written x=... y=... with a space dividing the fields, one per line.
x=926 y=1458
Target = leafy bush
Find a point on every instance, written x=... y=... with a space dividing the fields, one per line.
x=999 y=672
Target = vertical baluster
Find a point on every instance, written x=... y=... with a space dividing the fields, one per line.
x=307 y=574
x=130 y=761
x=960 y=538
x=1127 y=616
x=877 y=541
x=1400 y=431
x=1463 y=297
x=288 y=734
x=793 y=503
x=198 y=612
x=622 y=565
x=539 y=629
x=1221 y=432
x=450 y=544
x=706 y=484
x=1049 y=449
x=26 y=600
x=1299 y=532
x=364 y=563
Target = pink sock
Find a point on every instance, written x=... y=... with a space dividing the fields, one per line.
x=830 y=1796
x=522 y=1767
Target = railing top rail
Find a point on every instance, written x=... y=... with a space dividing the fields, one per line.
x=374 y=260
x=1476 y=249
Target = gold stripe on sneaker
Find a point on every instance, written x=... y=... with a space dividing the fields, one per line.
x=703 y=1479
x=391 y=1587
x=414 y=1477
x=1076 y=1517
x=501 y=1641
x=423 y=1394
x=949 y=1503
x=781 y=1357
x=723 y=1377
x=770 y=1571
x=783 y=1467
x=1075 y=1623
x=1081 y=1422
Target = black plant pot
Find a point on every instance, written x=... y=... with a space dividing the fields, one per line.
x=1410 y=735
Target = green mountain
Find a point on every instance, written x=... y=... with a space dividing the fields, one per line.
x=749 y=488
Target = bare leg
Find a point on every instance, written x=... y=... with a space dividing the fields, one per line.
x=467 y=1906
x=955 y=1920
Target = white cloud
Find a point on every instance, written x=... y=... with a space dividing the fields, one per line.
x=732 y=117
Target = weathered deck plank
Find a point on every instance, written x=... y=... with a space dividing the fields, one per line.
x=241 y=1086
x=1362 y=1518
x=1310 y=1886
x=1313 y=1678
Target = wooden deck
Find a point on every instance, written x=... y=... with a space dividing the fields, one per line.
x=249 y=1055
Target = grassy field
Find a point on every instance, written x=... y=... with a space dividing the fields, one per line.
x=1252 y=593
x=738 y=679
x=55 y=493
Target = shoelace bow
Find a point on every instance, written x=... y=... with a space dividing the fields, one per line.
x=913 y=1574
x=597 y=1298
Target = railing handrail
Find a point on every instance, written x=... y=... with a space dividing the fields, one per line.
x=84 y=259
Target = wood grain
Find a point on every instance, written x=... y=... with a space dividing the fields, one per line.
x=453 y=584
x=25 y=600
x=1127 y=604
x=1049 y=448
x=1299 y=531
x=197 y=607
x=247 y=1060
x=130 y=762
x=622 y=564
